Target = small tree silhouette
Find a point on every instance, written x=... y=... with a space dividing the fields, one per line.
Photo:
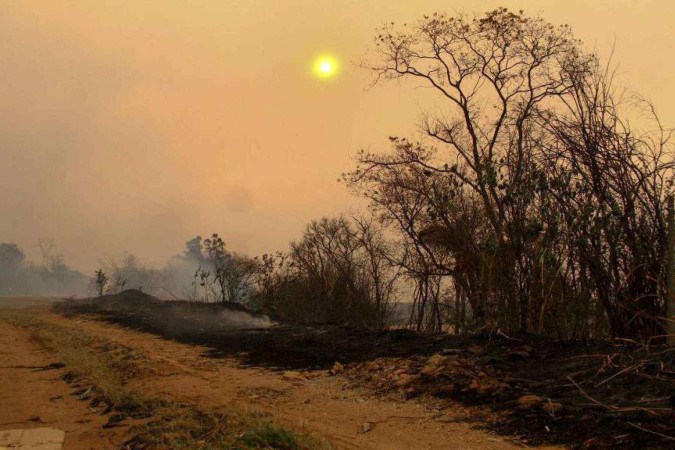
x=101 y=281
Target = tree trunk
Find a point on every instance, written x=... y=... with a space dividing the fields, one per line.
x=670 y=275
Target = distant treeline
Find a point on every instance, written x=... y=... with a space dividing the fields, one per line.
x=53 y=277
x=336 y=273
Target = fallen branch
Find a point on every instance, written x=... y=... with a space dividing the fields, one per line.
x=501 y=333
x=627 y=369
x=670 y=438
x=615 y=408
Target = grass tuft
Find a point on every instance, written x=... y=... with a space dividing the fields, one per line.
x=229 y=428
x=272 y=436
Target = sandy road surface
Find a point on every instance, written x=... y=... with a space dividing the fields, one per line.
x=33 y=396
x=319 y=405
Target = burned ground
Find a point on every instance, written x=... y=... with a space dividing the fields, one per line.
x=583 y=394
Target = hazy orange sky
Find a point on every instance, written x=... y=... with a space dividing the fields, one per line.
x=135 y=125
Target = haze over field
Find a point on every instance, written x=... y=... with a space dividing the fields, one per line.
x=337 y=223
x=134 y=125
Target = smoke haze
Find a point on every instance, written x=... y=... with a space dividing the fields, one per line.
x=135 y=125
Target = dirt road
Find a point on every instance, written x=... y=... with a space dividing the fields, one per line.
x=32 y=395
x=314 y=403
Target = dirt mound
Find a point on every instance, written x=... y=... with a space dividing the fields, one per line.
x=130 y=295
x=172 y=318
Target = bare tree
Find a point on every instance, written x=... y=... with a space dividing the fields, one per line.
x=101 y=281
x=234 y=273
x=541 y=205
x=46 y=246
x=339 y=271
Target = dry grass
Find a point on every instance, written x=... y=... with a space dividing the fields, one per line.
x=227 y=428
x=107 y=367
x=103 y=365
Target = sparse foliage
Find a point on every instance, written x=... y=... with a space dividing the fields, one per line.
x=337 y=272
x=232 y=272
x=542 y=208
x=101 y=281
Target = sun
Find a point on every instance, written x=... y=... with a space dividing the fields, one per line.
x=325 y=66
